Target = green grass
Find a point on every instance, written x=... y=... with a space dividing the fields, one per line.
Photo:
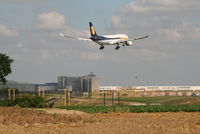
x=158 y=99
x=135 y=109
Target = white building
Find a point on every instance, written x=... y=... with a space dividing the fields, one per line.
x=152 y=88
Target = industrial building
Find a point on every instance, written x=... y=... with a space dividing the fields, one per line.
x=48 y=86
x=87 y=83
x=20 y=86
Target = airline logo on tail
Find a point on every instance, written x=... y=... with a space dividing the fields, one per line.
x=92 y=30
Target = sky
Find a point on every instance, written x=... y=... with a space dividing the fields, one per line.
x=29 y=33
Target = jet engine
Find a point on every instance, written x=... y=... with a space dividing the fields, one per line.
x=129 y=43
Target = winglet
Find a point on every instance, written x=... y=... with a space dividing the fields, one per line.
x=62 y=35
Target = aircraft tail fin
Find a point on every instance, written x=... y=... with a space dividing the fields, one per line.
x=92 y=30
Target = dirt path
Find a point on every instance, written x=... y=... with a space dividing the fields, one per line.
x=58 y=111
x=112 y=123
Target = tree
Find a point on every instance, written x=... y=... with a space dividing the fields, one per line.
x=5 y=67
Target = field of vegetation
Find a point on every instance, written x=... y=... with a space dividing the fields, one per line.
x=162 y=100
x=135 y=109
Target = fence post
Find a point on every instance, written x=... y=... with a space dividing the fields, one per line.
x=112 y=97
x=98 y=94
x=69 y=98
x=43 y=93
x=65 y=97
x=13 y=94
x=9 y=94
x=118 y=97
x=104 y=98
x=39 y=92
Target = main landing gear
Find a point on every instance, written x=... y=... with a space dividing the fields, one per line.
x=101 y=48
x=117 y=47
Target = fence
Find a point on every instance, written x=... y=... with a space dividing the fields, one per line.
x=109 y=97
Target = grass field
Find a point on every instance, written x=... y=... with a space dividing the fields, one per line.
x=135 y=109
x=164 y=100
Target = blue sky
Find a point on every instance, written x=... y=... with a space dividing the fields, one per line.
x=29 y=33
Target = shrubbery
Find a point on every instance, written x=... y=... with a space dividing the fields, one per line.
x=135 y=109
x=25 y=101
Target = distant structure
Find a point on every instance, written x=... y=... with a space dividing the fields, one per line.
x=48 y=86
x=87 y=83
x=151 y=88
x=22 y=86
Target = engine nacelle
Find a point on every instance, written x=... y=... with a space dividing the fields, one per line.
x=129 y=43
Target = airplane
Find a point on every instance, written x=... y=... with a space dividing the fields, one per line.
x=103 y=40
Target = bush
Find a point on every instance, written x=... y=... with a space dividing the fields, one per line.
x=135 y=109
x=25 y=101
x=7 y=103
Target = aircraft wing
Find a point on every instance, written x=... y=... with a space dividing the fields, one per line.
x=139 y=38
x=77 y=38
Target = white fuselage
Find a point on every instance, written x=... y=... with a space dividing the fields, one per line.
x=112 y=39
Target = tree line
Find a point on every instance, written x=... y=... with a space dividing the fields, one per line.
x=5 y=67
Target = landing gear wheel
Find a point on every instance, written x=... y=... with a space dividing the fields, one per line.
x=101 y=48
x=117 y=47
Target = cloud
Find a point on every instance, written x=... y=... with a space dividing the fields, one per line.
x=7 y=32
x=195 y=33
x=170 y=34
x=56 y=22
x=20 y=45
x=92 y=56
x=20 y=0
x=51 y=20
x=154 y=55
x=171 y=20
x=160 y=6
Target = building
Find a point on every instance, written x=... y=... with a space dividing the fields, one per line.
x=169 y=88
x=87 y=83
x=21 y=86
x=109 y=88
x=151 y=88
x=48 y=86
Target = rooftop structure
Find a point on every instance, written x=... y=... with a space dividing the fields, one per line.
x=87 y=83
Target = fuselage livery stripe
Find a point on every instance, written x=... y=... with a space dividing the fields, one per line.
x=99 y=38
